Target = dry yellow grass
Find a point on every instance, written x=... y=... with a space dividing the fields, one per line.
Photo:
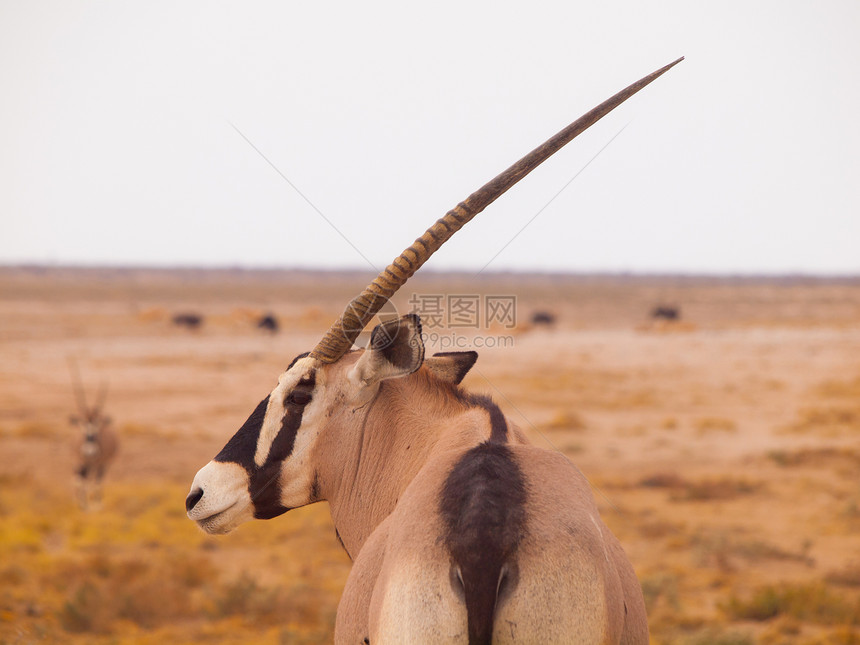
x=138 y=571
x=740 y=531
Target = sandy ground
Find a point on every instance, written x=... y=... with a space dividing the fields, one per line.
x=723 y=448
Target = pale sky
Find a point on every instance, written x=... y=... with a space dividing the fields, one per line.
x=123 y=133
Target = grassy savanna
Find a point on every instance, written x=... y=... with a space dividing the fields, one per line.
x=137 y=571
x=724 y=450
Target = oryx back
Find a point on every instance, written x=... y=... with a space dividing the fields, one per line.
x=504 y=541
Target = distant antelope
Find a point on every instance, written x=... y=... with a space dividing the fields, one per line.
x=95 y=447
x=666 y=312
x=544 y=318
x=460 y=531
x=189 y=320
x=268 y=322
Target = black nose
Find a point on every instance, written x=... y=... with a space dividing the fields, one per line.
x=192 y=499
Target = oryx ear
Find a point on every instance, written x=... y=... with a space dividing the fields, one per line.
x=395 y=349
x=451 y=367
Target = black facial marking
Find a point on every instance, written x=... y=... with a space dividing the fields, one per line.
x=243 y=445
x=264 y=485
x=282 y=446
x=265 y=490
x=265 y=481
x=483 y=509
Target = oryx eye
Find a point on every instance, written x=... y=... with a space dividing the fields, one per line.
x=299 y=397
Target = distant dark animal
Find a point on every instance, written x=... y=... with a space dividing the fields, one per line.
x=666 y=312
x=192 y=321
x=95 y=447
x=545 y=318
x=268 y=323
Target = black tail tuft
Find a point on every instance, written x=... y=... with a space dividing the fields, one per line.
x=483 y=506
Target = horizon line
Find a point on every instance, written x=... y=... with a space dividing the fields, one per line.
x=583 y=272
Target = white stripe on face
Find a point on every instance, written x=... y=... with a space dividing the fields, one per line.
x=275 y=409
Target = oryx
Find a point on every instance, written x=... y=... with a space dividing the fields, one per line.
x=459 y=529
x=96 y=445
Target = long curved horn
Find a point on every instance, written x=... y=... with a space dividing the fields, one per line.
x=102 y=397
x=78 y=387
x=358 y=313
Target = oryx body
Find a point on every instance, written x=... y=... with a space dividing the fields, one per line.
x=460 y=530
x=95 y=447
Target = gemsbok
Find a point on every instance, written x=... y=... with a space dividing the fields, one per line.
x=459 y=529
x=95 y=446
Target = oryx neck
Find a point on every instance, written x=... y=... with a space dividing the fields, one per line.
x=407 y=424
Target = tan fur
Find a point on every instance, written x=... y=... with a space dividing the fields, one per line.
x=95 y=448
x=382 y=441
x=574 y=579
